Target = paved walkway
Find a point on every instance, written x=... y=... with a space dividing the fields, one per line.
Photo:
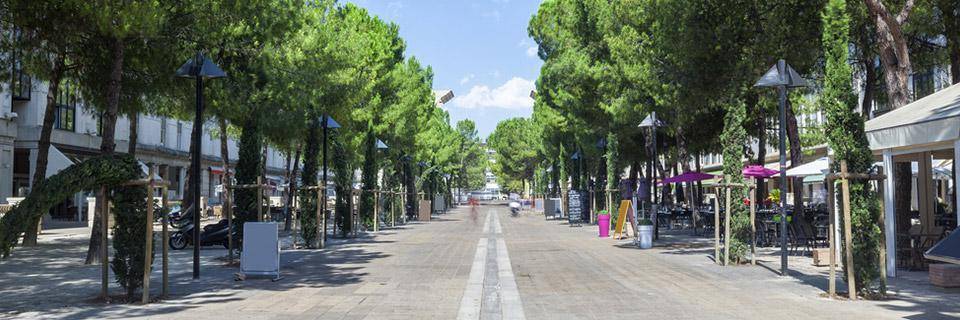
x=482 y=265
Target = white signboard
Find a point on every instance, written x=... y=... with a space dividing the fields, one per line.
x=261 y=249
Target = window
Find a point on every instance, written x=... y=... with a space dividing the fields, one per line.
x=179 y=134
x=20 y=84
x=923 y=84
x=64 y=117
x=99 y=117
x=163 y=132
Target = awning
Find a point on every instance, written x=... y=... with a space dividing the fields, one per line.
x=146 y=170
x=815 y=167
x=947 y=250
x=218 y=170
x=932 y=119
x=56 y=161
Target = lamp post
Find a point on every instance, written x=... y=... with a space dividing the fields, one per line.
x=782 y=77
x=198 y=68
x=327 y=123
x=651 y=122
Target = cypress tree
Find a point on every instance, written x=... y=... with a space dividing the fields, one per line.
x=369 y=179
x=308 y=198
x=734 y=139
x=845 y=135
x=248 y=169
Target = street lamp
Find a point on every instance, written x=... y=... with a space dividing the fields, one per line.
x=782 y=77
x=652 y=123
x=198 y=68
x=327 y=123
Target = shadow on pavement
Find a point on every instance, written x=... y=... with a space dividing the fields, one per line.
x=51 y=281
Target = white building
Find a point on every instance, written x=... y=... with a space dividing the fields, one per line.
x=76 y=136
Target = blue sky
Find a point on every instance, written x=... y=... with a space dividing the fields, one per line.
x=479 y=49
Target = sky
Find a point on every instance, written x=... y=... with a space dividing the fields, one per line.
x=477 y=48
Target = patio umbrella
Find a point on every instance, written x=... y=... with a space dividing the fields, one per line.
x=689 y=176
x=756 y=171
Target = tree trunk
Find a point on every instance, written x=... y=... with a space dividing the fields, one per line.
x=225 y=163
x=893 y=49
x=761 y=122
x=796 y=159
x=107 y=135
x=867 y=59
x=869 y=87
x=895 y=59
x=134 y=133
x=188 y=200
x=43 y=145
x=293 y=186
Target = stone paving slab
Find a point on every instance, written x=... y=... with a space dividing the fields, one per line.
x=569 y=273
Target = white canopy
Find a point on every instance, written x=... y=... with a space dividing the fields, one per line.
x=56 y=161
x=819 y=166
x=932 y=119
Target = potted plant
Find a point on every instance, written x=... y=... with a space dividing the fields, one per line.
x=645 y=230
x=603 y=222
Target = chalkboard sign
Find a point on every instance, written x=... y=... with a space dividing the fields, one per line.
x=574 y=208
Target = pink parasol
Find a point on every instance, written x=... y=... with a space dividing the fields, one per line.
x=755 y=171
x=689 y=176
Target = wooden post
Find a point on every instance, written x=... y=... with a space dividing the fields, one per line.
x=726 y=228
x=104 y=219
x=883 y=248
x=753 y=226
x=228 y=211
x=321 y=220
x=165 y=286
x=716 y=225
x=376 y=211
x=833 y=239
x=847 y=232
x=259 y=199
x=148 y=248
x=393 y=209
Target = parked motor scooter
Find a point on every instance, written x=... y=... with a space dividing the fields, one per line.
x=211 y=235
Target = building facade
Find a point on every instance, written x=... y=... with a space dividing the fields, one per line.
x=162 y=141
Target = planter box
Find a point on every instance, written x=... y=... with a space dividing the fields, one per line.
x=424 y=212
x=945 y=275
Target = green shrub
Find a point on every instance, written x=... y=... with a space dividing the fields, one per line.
x=129 y=237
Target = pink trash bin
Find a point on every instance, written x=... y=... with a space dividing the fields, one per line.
x=603 y=222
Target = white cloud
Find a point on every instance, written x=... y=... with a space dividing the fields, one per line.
x=394 y=8
x=513 y=94
x=532 y=52
x=466 y=79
